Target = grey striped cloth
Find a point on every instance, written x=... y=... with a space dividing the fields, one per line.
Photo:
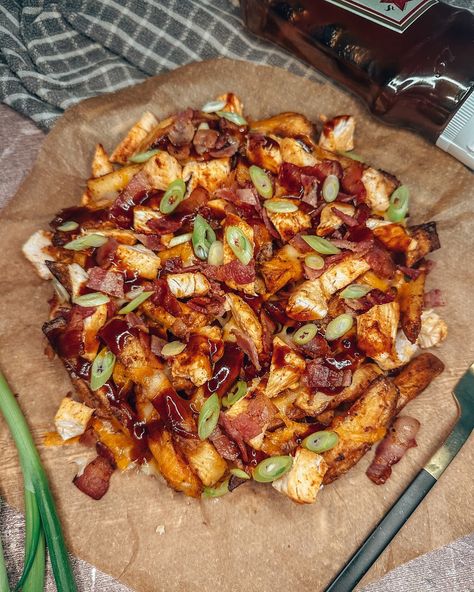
x=54 y=53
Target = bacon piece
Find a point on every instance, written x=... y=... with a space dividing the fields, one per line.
x=205 y=140
x=300 y=244
x=312 y=274
x=289 y=176
x=166 y=225
x=105 y=253
x=318 y=347
x=326 y=167
x=214 y=306
x=398 y=440
x=133 y=194
x=434 y=298
x=352 y=179
x=192 y=204
x=268 y=224
x=249 y=196
x=241 y=274
x=380 y=261
x=182 y=130
x=374 y=297
x=224 y=445
x=250 y=423
x=151 y=241
x=156 y=344
x=348 y=220
x=310 y=187
x=95 y=479
x=410 y=271
x=137 y=322
x=268 y=328
x=163 y=297
x=106 y=281
x=226 y=145
x=248 y=347
x=69 y=343
x=317 y=375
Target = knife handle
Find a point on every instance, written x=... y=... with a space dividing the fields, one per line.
x=383 y=533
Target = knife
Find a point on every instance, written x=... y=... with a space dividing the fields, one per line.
x=391 y=523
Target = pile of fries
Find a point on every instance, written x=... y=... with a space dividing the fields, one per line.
x=237 y=300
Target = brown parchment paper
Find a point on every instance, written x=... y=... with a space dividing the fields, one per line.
x=254 y=539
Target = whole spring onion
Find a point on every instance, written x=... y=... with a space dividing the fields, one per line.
x=173 y=348
x=280 y=206
x=321 y=245
x=355 y=291
x=314 y=261
x=143 y=156
x=232 y=117
x=3 y=571
x=208 y=416
x=261 y=181
x=305 y=333
x=202 y=238
x=180 y=239
x=92 y=299
x=239 y=473
x=339 y=327
x=239 y=244
x=213 y=106
x=102 y=368
x=86 y=241
x=399 y=202
x=237 y=392
x=216 y=253
x=173 y=196
x=68 y=226
x=135 y=303
x=320 y=441
x=39 y=505
x=272 y=468
x=218 y=491
x=330 y=188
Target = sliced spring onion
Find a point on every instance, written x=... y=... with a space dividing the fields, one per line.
x=86 y=241
x=173 y=196
x=239 y=244
x=135 y=303
x=232 y=117
x=143 y=156
x=305 y=333
x=218 y=491
x=261 y=181
x=173 y=348
x=399 y=202
x=239 y=473
x=339 y=327
x=180 y=239
x=280 y=206
x=92 y=299
x=216 y=253
x=213 y=106
x=355 y=291
x=320 y=441
x=36 y=483
x=237 y=392
x=272 y=468
x=208 y=416
x=102 y=368
x=203 y=236
x=351 y=154
x=68 y=226
x=62 y=293
x=321 y=245
x=314 y=261
x=203 y=126
x=330 y=188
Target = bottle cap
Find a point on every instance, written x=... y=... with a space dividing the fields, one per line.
x=457 y=138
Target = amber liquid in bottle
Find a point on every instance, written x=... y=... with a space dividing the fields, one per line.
x=416 y=78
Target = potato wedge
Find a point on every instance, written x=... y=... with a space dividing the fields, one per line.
x=103 y=191
x=427 y=241
x=101 y=164
x=285 y=124
x=415 y=377
x=135 y=136
x=410 y=298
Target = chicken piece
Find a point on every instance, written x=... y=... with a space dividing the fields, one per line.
x=415 y=377
x=295 y=152
x=289 y=223
x=433 y=330
x=138 y=260
x=286 y=368
x=136 y=134
x=121 y=235
x=312 y=403
x=103 y=191
x=72 y=418
x=337 y=134
x=208 y=175
x=394 y=237
x=411 y=300
x=341 y=274
x=426 y=240
x=285 y=402
x=229 y=256
x=283 y=440
x=329 y=221
x=376 y=334
x=188 y=320
x=91 y=327
x=303 y=481
x=142 y=215
x=374 y=223
x=286 y=124
x=246 y=320
x=379 y=186
x=365 y=423
x=161 y=170
x=194 y=362
x=204 y=460
x=281 y=269
x=249 y=418
x=264 y=152
x=232 y=103
x=101 y=164
x=184 y=251
x=72 y=277
x=36 y=251
x=185 y=285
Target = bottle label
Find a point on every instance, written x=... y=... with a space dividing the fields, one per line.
x=396 y=15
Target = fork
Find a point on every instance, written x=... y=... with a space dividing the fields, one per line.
x=402 y=509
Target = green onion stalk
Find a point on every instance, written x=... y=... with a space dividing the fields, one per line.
x=42 y=521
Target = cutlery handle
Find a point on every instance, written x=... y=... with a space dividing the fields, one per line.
x=382 y=534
